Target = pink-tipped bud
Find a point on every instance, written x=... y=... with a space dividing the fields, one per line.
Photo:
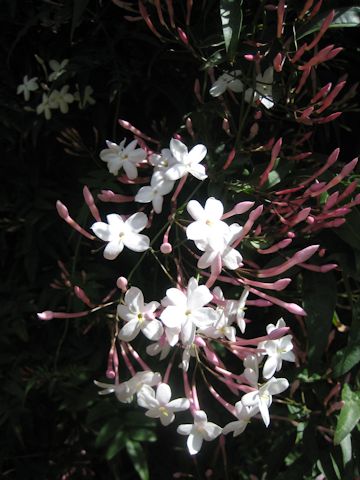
x=243 y=207
x=255 y=214
x=122 y=283
x=62 y=210
x=278 y=333
x=47 y=315
x=182 y=35
x=249 y=57
x=230 y=159
x=304 y=254
x=200 y=342
x=278 y=62
x=310 y=220
x=110 y=374
x=291 y=234
x=166 y=248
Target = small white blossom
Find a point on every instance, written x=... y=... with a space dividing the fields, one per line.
x=119 y=156
x=61 y=99
x=208 y=227
x=186 y=162
x=138 y=317
x=276 y=350
x=227 y=81
x=29 y=85
x=159 y=186
x=159 y=405
x=244 y=415
x=125 y=391
x=185 y=311
x=86 y=98
x=162 y=161
x=263 y=89
x=261 y=397
x=161 y=348
x=119 y=234
x=199 y=431
x=57 y=69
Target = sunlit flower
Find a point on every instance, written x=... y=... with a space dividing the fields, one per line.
x=159 y=186
x=29 y=85
x=138 y=317
x=184 y=311
x=119 y=156
x=186 y=162
x=227 y=81
x=244 y=415
x=125 y=391
x=159 y=404
x=119 y=234
x=199 y=431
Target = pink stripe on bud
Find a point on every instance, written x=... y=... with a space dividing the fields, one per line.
x=229 y=159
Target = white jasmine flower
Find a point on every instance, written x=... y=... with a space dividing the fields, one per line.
x=119 y=156
x=45 y=107
x=162 y=161
x=57 y=69
x=234 y=310
x=199 y=431
x=125 y=391
x=277 y=351
x=227 y=81
x=208 y=228
x=159 y=405
x=119 y=234
x=188 y=352
x=263 y=89
x=244 y=415
x=261 y=397
x=186 y=162
x=29 y=85
x=139 y=317
x=159 y=186
x=61 y=99
x=186 y=311
x=240 y=310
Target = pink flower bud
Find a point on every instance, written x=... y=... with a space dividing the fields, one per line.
x=182 y=35
x=122 y=283
x=166 y=248
x=278 y=333
x=47 y=315
x=62 y=210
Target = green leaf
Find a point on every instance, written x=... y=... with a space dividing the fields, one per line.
x=116 y=446
x=345 y=17
x=231 y=19
x=345 y=359
x=138 y=458
x=346 y=449
x=349 y=415
x=319 y=293
x=78 y=10
x=350 y=231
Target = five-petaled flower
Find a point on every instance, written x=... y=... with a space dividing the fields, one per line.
x=120 y=233
x=227 y=81
x=119 y=156
x=186 y=162
x=29 y=85
x=159 y=405
x=199 y=431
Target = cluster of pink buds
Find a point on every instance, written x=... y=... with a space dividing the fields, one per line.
x=194 y=320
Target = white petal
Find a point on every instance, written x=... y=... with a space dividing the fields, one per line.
x=195 y=210
x=129 y=331
x=102 y=231
x=267 y=102
x=207 y=259
x=137 y=222
x=214 y=208
x=211 y=431
x=130 y=170
x=250 y=399
x=270 y=366
x=167 y=418
x=179 y=404
x=264 y=410
x=172 y=317
x=163 y=393
x=197 y=154
x=277 y=385
x=136 y=242
x=157 y=203
x=198 y=171
x=176 y=171
x=195 y=231
x=176 y=297
x=134 y=299
x=153 y=330
x=199 y=297
x=185 y=429
x=113 y=249
x=237 y=427
x=232 y=259
x=144 y=195
x=217 y=89
x=188 y=332
x=178 y=149
x=194 y=442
